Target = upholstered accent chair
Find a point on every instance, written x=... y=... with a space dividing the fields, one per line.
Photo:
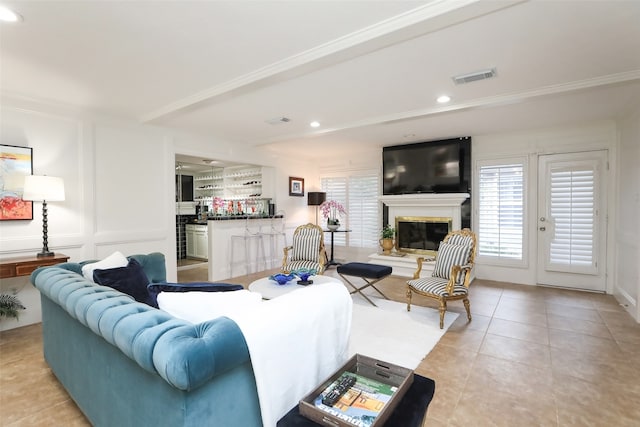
x=307 y=250
x=450 y=278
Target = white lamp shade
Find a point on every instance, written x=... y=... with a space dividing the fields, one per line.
x=39 y=188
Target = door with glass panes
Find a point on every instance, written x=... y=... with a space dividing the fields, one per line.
x=572 y=215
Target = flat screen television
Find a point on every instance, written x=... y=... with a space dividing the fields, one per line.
x=442 y=166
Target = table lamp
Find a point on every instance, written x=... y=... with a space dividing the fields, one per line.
x=42 y=189
x=316 y=198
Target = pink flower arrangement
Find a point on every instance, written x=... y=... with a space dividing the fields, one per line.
x=218 y=202
x=331 y=210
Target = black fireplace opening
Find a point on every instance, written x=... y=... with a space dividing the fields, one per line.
x=421 y=235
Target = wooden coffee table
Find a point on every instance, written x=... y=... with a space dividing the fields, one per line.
x=269 y=289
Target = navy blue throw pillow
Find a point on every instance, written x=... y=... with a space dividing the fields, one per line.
x=155 y=288
x=130 y=280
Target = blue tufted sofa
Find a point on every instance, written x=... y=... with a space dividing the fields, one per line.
x=127 y=364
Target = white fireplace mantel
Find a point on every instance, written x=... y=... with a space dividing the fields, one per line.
x=430 y=199
x=434 y=205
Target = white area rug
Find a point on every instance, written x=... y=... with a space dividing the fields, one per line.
x=392 y=334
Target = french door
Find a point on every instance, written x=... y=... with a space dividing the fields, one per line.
x=572 y=215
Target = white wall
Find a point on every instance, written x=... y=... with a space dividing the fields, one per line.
x=627 y=246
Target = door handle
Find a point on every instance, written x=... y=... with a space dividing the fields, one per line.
x=543 y=228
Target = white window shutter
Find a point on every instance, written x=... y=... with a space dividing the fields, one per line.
x=359 y=196
x=336 y=189
x=501 y=211
x=363 y=211
x=572 y=210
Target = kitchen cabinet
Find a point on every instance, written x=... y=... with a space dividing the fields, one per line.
x=197 y=241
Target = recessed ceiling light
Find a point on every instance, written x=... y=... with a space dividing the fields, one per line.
x=443 y=99
x=8 y=15
x=314 y=124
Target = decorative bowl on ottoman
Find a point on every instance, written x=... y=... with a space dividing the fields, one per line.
x=282 y=279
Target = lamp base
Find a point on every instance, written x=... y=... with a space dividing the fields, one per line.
x=44 y=254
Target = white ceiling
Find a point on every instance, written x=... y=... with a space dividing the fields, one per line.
x=369 y=71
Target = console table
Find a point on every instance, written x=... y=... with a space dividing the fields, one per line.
x=24 y=266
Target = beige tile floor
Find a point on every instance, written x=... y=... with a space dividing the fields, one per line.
x=532 y=356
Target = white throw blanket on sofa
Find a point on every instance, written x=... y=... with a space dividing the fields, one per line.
x=295 y=341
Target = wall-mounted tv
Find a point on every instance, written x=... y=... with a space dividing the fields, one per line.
x=442 y=166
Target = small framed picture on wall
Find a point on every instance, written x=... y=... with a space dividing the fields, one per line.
x=296 y=186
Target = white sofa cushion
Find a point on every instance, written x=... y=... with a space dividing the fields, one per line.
x=114 y=260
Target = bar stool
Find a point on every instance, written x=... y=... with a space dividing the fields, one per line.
x=275 y=231
x=247 y=240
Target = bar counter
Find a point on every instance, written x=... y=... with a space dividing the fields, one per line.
x=227 y=230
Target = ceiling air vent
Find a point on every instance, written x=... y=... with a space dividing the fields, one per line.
x=472 y=77
x=278 y=120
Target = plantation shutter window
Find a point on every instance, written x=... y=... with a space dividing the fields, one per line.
x=359 y=196
x=501 y=211
x=336 y=189
x=572 y=210
x=363 y=211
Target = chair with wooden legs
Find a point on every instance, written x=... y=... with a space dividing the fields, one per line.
x=451 y=275
x=307 y=250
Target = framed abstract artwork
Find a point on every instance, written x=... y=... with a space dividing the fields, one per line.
x=296 y=186
x=15 y=164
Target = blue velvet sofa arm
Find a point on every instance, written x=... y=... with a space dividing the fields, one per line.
x=188 y=356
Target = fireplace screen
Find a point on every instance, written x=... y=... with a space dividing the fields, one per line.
x=421 y=234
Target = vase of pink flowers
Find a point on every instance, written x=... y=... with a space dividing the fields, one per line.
x=217 y=204
x=332 y=211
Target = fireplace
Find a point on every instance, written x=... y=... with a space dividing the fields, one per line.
x=443 y=206
x=421 y=234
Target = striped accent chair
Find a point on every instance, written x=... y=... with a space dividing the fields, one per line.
x=307 y=250
x=450 y=278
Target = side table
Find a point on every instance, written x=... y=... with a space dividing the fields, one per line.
x=24 y=266
x=332 y=261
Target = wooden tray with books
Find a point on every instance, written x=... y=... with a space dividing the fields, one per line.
x=363 y=393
